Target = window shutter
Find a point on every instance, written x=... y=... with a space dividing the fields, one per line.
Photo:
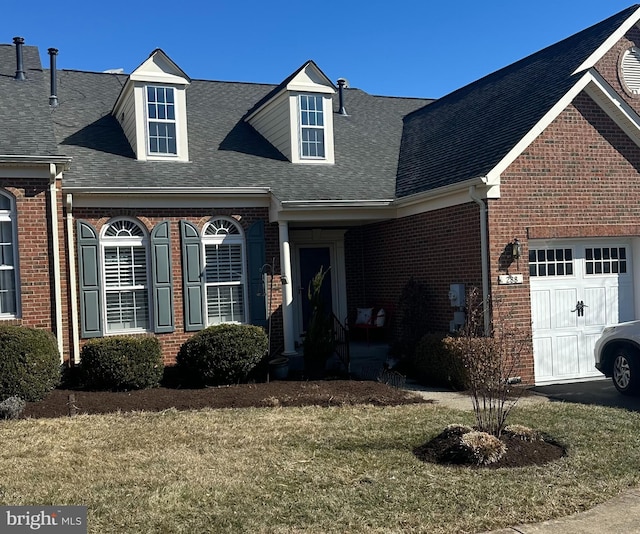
x=255 y=260
x=161 y=279
x=89 y=273
x=192 y=277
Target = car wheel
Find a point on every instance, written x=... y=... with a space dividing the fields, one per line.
x=625 y=371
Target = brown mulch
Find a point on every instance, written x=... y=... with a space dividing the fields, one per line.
x=519 y=452
x=275 y=393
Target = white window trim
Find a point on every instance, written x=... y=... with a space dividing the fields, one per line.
x=302 y=127
x=10 y=216
x=238 y=239
x=162 y=155
x=138 y=241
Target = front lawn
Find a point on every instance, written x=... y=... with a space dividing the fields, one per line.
x=347 y=469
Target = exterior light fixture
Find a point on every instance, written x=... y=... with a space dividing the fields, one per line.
x=516 y=249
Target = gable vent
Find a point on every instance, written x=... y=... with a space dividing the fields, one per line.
x=631 y=70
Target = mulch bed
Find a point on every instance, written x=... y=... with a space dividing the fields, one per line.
x=519 y=453
x=275 y=393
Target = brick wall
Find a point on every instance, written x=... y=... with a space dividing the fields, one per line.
x=171 y=342
x=35 y=254
x=437 y=248
x=579 y=178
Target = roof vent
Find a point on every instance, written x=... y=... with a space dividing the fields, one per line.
x=631 y=69
x=343 y=83
x=19 y=41
x=53 y=99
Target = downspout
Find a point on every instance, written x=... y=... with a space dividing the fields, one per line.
x=484 y=246
x=73 y=288
x=57 y=280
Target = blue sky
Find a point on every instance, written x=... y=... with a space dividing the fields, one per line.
x=404 y=48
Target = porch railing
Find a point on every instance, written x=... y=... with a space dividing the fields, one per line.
x=341 y=346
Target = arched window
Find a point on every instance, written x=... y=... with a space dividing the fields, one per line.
x=225 y=278
x=8 y=257
x=124 y=244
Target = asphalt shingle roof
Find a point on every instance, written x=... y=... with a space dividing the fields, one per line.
x=24 y=106
x=225 y=151
x=466 y=133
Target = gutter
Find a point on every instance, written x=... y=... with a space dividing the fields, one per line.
x=484 y=241
x=169 y=190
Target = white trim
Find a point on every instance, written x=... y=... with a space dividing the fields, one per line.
x=73 y=288
x=593 y=84
x=609 y=42
x=57 y=276
x=12 y=218
x=287 y=289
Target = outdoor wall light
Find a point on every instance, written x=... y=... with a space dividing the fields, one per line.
x=516 y=249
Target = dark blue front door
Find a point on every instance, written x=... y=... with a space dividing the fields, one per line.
x=311 y=259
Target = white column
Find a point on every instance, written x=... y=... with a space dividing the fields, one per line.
x=287 y=289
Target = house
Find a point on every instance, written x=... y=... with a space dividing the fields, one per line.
x=154 y=204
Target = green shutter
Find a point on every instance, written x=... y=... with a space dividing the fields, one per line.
x=89 y=274
x=162 y=279
x=192 y=280
x=256 y=258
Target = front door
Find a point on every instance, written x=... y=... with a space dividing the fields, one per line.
x=577 y=288
x=310 y=261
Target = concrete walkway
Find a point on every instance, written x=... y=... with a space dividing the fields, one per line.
x=617 y=516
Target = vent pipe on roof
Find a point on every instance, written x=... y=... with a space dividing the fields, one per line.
x=342 y=85
x=19 y=41
x=53 y=99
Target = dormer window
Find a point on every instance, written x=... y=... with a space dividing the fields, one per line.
x=161 y=116
x=311 y=126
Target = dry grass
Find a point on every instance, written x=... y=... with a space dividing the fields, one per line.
x=326 y=470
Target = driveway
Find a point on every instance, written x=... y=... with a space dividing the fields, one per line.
x=600 y=392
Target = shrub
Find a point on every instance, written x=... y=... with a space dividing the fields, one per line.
x=11 y=408
x=30 y=363
x=222 y=354
x=122 y=363
x=437 y=361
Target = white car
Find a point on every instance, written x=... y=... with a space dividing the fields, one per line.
x=617 y=355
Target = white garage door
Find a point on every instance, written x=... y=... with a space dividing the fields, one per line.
x=577 y=288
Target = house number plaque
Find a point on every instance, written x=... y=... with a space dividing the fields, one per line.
x=509 y=279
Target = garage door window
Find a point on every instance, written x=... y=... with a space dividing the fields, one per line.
x=551 y=262
x=606 y=260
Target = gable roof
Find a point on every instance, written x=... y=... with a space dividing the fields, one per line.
x=465 y=134
x=25 y=114
x=224 y=150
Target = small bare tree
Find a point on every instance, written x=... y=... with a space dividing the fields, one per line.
x=491 y=361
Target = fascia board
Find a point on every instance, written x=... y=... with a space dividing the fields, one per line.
x=609 y=42
x=493 y=176
x=614 y=106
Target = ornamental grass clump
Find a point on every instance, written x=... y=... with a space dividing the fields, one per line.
x=483 y=448
x=523 y=433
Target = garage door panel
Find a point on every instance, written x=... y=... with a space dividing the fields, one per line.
x=565 y=361
x=598 y=305
x=543 y=357
x=541 y=309
x=565 y=301
x=587 y=366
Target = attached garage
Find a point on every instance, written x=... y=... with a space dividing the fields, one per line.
x=577 y=288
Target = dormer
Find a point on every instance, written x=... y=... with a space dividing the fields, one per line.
x=152 y=110
x=297 y=116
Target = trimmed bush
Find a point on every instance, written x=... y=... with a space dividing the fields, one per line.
x=29 y=363
x=222 y=354
x=122 y=363
x=437 y=361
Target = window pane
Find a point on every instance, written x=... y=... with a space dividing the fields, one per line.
x=7 y=292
